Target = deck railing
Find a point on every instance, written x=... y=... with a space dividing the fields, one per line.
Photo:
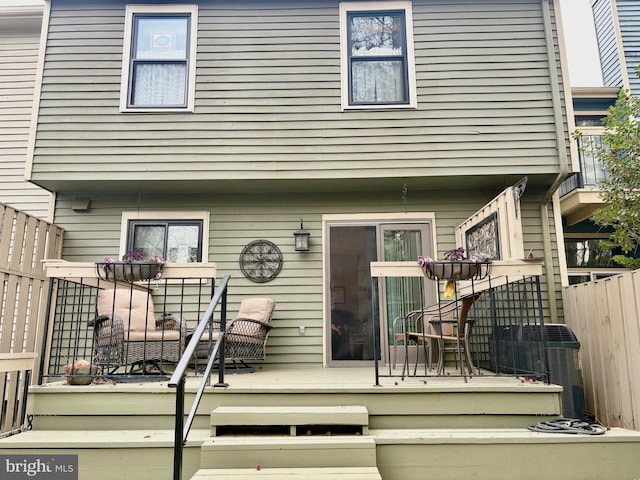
x=507 y=330
x=170 y=308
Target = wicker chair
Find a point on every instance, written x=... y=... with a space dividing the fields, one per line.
x=126 y=332
x=246 y=335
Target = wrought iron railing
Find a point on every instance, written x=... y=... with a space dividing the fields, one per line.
x=113 y=343
x=506 y=332
x=592 y=171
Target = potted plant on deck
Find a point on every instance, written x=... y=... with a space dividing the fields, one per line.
x=80 y=372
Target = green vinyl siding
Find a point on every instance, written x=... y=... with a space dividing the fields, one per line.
x=268 y=99
x=19 y=44
x=236 y=220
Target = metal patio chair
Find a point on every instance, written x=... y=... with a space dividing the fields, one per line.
x=447 y=324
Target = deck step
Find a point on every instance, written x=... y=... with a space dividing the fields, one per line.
x=307 y=420
x=288 y=452
x=339 y=473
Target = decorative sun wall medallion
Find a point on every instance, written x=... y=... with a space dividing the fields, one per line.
x=261 y=261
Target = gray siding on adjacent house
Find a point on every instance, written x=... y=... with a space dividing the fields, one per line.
x=629 y=20
x=19 y=44
x=268 y=99
x=238 y=219
x=607 y=43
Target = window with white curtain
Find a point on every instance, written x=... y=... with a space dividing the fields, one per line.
x=377 y=55
x=159 y=58
x=178 y=237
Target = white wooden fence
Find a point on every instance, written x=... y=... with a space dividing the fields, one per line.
x=24 y=242
x=605 y=316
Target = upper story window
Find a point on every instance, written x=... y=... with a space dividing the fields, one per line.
x=589 y=120
x=178 y=237
x=159 y=58
x=378 y=68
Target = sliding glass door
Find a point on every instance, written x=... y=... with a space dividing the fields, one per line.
x=352 y=247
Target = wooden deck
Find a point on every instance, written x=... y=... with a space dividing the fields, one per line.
x=416 y=427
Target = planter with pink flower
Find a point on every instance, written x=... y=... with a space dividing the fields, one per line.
x=455 y=266
x=134 y=267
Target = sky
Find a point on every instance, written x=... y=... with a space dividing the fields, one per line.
x=580 y=43
x=580 y=40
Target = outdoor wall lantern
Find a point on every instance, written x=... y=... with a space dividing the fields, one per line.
x=302 y=238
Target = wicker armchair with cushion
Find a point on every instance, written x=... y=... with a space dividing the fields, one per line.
x=127 y=333
x=246 y=335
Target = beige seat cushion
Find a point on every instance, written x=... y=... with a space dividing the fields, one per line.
x=154 y=336
x=257 y=308
x=135 y=307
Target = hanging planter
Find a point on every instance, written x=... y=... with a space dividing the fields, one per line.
x=128 y=271
x=454 y=267
x=132 y=268
x=458 y=270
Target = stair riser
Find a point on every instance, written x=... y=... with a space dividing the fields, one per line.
x=201 y=422
x=565 y=457
x=309 y=457
x=96 y=408
x=297 y=421
x=343 y=473
x=484 y=460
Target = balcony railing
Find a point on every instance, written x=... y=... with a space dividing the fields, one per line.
x=592 y=171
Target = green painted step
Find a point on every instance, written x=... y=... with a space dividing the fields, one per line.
x=339 y=473
x=298 y=420
x=288 y=452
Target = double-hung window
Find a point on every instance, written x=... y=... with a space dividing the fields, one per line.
x=159 y=58
x=177 y=237
x=378 y=68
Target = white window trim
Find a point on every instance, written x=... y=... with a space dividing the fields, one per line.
x=346 y=7
x=192 y=10
x=202 y=216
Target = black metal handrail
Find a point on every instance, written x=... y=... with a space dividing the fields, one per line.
x=177 y=380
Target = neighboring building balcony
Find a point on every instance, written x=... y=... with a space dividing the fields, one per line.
x=579 y=194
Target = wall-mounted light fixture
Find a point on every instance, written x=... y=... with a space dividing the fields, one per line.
x=302 y=238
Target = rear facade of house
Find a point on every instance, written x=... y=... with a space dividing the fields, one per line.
x=214 y=130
